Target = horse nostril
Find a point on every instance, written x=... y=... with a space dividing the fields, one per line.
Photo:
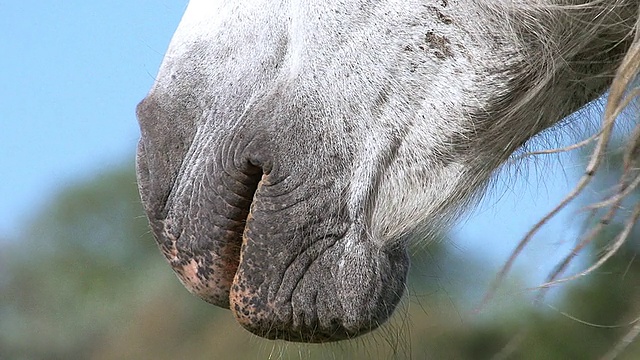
x=200 y=234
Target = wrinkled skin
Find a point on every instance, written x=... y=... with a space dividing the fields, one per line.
x=290 y=148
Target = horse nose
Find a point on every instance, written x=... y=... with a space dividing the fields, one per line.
x=252 y=223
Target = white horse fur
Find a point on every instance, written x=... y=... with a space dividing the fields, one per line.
x=348 y=126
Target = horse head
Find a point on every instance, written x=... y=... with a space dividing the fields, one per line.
x=290 y=149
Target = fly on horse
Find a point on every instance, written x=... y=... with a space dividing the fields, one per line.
x=290 y=149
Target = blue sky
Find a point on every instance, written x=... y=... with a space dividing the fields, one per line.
x=72 y=73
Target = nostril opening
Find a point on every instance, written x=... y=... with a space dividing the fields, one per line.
x=255 y=167
x=254 y=153
x=252 y=182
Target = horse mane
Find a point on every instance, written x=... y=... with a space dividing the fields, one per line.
x=538 y=25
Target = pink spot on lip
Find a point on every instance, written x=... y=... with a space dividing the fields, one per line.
x=172 y=256
x=209 y=285
x=190 y=272
x=205 y=289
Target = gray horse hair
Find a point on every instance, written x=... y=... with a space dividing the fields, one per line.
x=609 y=21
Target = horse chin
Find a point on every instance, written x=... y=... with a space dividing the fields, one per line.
x=338 y=287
